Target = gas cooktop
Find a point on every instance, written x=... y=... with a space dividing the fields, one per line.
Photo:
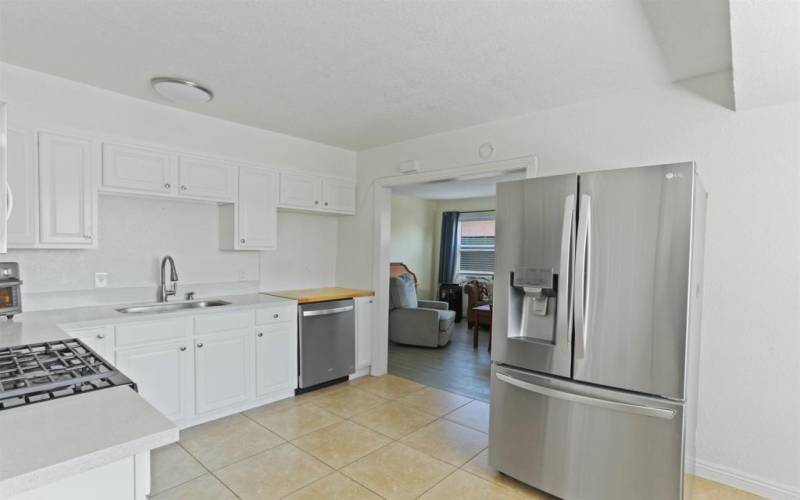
x=33 y=373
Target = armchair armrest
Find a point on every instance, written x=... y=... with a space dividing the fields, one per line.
x=432 y=304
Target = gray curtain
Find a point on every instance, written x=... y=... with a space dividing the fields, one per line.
x=449 y=247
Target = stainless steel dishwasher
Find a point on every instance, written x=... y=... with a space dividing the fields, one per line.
x=326 y=340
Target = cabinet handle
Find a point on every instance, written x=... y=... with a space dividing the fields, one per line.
x=183 y=348
x=260 y=334
x=167 y=185
x=183 y=188
x=241 y=241
x=101 y=336
x=200 y=344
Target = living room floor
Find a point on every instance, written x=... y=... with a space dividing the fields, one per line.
x=456 y=367
x=371 y=438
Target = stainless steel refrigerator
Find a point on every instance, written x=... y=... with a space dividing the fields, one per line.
x=595 y=339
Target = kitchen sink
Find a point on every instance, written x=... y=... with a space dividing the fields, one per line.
x=161 y=307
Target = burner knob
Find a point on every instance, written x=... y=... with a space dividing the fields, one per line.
x=101 y=336
x=183 y=348
x=260 y=334
x=200 y=344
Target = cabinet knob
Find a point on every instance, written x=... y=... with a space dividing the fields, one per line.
x=326 y=203
x=316 y=202
x=200 y=344
x=87 y=236
x=183 y=188
x=241 y=241
x=275 y=315
x=101 y=336
x=167 y=185
x=260 y=334
x=183 y=348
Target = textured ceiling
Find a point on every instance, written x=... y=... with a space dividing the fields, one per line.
x=357 y=73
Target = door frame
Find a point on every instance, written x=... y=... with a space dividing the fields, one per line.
x=381 y=230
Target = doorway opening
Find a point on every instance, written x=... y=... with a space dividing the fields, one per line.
x=440 y=263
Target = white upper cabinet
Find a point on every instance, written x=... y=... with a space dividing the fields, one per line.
x=339 y=196
x=251 y=223
x=300 y=191
x=22 y=182
x=67 y=191
x=4 y=200
x=205 y=178
x=138 y=169
x=317 y=194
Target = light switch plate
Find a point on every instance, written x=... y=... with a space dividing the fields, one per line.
x=100 y=280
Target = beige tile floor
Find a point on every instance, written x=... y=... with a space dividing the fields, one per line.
x=371 y=438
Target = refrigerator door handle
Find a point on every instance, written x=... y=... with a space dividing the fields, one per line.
x=581 y=284
x=565 y=278
x=649 y=411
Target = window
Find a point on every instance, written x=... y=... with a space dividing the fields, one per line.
x=476 y=243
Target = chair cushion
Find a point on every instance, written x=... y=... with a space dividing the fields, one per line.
x=446 y=318
x=402 y=292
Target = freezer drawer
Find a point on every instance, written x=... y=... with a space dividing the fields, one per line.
x=327 y=341
x=582 y=442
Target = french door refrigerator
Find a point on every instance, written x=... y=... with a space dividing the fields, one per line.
x=595 y=331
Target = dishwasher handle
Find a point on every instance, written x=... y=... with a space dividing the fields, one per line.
x=327 y=312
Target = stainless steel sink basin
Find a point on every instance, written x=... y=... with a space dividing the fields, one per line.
x=162 y=307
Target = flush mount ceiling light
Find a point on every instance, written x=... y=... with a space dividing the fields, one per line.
x=180 y=90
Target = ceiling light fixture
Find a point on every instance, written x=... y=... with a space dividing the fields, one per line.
x=180 y=90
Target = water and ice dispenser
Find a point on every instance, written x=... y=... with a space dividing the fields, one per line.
x=533 y=304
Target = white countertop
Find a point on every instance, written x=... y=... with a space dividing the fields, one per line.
x=43 y=326
x=44 y=442
x=48 y=441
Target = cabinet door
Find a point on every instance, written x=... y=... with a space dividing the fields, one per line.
x=22 y=186
x=300 y=191
x=163 y=374
x=223 y=364
x=205 y=178
x=339 y=196
x=99 y=339
x=67 y=191
x=138 y=169
x=364 y=307
x=257 y=211
x=276 y=358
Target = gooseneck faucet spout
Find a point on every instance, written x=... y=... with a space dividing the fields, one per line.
x=173 y=277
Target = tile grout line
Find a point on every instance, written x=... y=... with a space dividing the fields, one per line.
x=208 y=471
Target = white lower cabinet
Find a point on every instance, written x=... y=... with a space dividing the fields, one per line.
x=116 y=480
x=223 y=367
x=193 y=368
x=364 y=328
x=164 y=375
x=99 y=339
x=276 y=358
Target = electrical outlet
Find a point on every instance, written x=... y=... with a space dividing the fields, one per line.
x=100 y=280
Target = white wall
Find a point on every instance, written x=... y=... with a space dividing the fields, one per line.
x=135 y=233
x=749 y=161
x=412 y=240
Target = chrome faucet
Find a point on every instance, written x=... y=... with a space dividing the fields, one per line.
x=173 y=278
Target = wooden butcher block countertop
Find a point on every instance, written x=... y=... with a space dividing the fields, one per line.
x=309 y=295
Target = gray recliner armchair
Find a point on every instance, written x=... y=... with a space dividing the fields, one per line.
x=417 y=322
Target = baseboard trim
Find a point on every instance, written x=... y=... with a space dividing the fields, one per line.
x=744 y=481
